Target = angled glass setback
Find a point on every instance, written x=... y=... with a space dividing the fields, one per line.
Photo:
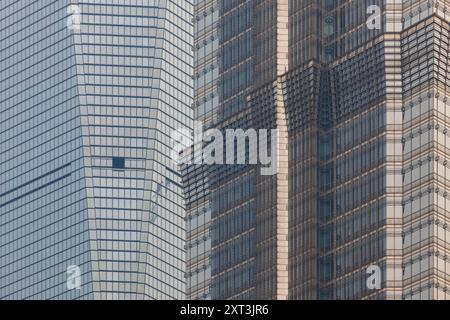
x=90 y=94
x=365 y=187
x=196 y=177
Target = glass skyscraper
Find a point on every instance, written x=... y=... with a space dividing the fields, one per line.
x=93 y=205
x=196 y=177
x=362 y=108
x=90 y=94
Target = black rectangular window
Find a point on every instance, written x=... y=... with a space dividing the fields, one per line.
x=118 y=163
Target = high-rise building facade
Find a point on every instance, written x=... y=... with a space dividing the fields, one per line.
x=196 y=177
x=90 y=94
x=360 y=100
